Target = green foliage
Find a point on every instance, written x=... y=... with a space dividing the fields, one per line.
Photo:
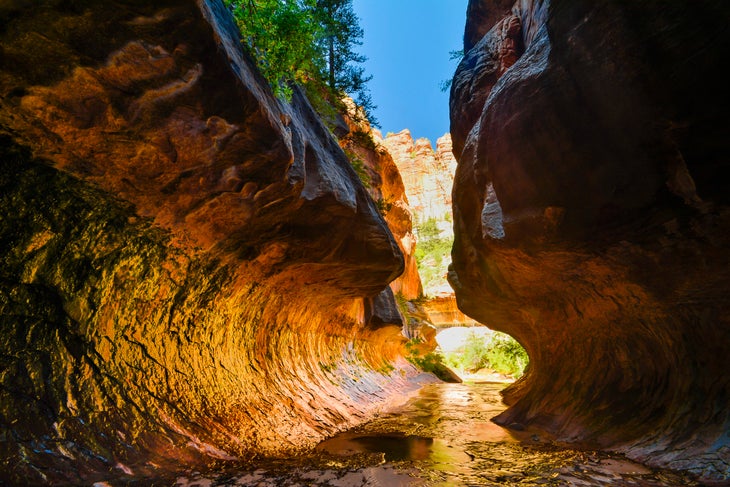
x=320 y=98
x=341 y=32
x=431 y=362
x=385 y=368
x=445 y=85
x=309 y=42
x=428 y=230
x=402 y=303
x=499 y=352
x=281 y=36
x=327 y=368
x=428 y=362
x=363 y=139
x=431 y=252
x=384 y=206
x=456 y=55
x=359 y=166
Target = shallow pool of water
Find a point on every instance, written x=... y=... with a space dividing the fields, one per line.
x=443 y=437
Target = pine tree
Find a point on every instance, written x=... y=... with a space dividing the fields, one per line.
x=310 y=42
x=341 y=33
x=282 y=36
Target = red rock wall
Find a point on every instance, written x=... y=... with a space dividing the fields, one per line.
x=444 y=312
x=385 y=185
x=592 y=221
x=191 y=269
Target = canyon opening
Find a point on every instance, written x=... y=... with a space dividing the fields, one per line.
x=217 y=270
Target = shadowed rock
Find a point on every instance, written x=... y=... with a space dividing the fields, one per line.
x=592 y=220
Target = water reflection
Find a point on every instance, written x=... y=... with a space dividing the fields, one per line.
x=443 y=437
x=397 y=448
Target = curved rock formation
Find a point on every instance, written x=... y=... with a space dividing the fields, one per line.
x=191 y=270
x=385 y=185
x=592 y=220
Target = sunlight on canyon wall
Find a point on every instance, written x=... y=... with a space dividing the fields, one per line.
x=191 y=270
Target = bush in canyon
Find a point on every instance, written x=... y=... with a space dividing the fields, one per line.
x=431 y=362
x=431 y=253
x=359 y=166
x=498 y=351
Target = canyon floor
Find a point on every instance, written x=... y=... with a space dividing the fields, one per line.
x=442 y=436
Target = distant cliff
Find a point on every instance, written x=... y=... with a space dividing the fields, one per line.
x=427 y=174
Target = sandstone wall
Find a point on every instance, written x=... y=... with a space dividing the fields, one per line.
x=191 y=271
x=591 y=218
x=427 y=174
x=385 y=185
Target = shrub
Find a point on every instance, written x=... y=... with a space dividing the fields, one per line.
x=431 y=253
x=498 y=351
x=359 y=166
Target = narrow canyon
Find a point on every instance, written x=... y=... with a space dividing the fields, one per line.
x=194 y=273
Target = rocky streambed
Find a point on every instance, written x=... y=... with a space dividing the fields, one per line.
x=443 y=436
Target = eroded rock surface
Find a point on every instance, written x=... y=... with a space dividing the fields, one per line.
x=443 y=312
x=427 y=174
x=191 y=270
x=591 y=218
x=365 y=146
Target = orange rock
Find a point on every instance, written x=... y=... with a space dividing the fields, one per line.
x=387 y=189
x=191 y=272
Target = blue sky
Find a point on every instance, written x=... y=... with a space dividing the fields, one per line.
x=408 y=43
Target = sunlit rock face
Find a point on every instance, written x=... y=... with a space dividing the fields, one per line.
x=591 y=218
x=366 y=147
x=190 y=270
x=427 y=174
x=443 y=312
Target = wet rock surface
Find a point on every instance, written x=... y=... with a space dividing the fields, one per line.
x=443 y=437
x=591 y=219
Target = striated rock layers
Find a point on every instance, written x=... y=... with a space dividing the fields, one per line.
x=191 y=270
x=443 y=312
x=592 y=223
x=427 y=174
